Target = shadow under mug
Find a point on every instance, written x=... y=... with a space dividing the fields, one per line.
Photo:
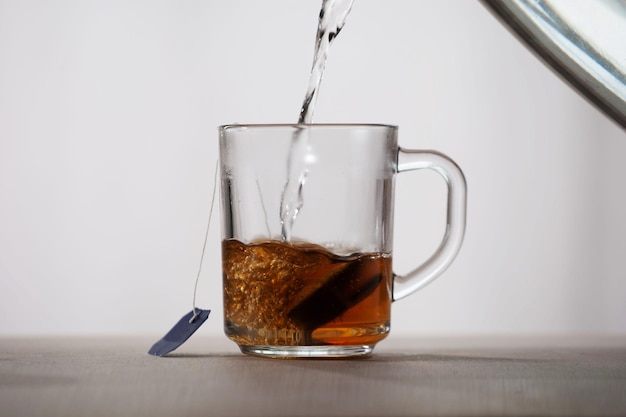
x=307 y=228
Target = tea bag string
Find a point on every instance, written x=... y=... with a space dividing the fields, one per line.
x=206 y=238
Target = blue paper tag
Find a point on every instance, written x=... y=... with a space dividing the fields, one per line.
x=180 y=332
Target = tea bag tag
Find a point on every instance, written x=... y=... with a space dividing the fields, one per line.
x=181 y=331
x=191 y=321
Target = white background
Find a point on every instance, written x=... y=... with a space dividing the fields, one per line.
x=108 y=143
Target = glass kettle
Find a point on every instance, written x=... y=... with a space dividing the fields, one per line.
x=584 y=41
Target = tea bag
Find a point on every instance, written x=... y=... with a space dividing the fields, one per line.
x=339 y=293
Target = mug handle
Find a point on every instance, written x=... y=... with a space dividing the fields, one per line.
x=409 y=160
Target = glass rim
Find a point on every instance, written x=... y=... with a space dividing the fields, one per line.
x=305 y=125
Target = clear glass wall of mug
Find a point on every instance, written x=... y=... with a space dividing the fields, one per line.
x=307 y=265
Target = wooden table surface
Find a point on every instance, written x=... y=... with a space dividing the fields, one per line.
x=462 y=376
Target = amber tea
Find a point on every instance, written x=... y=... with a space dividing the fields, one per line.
x=300 y=294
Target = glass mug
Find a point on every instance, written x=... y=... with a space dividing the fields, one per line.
x=310 y=275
